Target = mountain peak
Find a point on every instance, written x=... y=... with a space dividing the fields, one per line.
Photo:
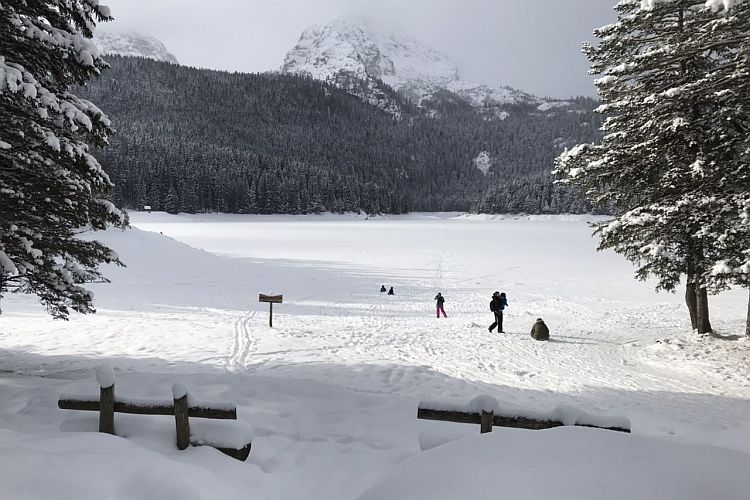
x=132 y=44
x=342 y=48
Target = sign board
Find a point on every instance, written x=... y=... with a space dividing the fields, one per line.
x=274 y=299
x=271 y=299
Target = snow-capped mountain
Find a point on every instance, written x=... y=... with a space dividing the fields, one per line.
x=339 y=51
x=132 y=44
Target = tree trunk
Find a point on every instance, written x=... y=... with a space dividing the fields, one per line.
x=2 y=287
x=692 y=302
x=704 y=325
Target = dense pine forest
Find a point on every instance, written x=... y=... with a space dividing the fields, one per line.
x=193 y=140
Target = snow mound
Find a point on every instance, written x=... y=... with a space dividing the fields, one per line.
x=221 y=433
x=90 y=465
x=567 y=463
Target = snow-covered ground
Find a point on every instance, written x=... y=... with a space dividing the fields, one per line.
x=332 y=389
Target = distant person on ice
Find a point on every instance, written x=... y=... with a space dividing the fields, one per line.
x=382 y=289
x=390 y=291
x=440 y=301
x=497 y=304
x=540 y=331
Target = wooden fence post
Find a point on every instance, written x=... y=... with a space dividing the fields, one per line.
x=107 y=409
x=181 y=417
x=486 y=422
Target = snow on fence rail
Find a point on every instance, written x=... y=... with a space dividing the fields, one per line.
x=485 y=411
x=235 y=442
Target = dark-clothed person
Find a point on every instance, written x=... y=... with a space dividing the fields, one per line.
x=540 y=331
x=497 y=304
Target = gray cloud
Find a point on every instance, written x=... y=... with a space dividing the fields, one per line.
x=532 y=45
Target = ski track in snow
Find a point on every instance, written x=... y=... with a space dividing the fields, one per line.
x=243 y=342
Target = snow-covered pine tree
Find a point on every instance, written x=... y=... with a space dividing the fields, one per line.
x=172 y=201
x=661 y=142
x=729 y=84
x=50 y=185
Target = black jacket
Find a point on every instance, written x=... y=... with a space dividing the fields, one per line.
x=498 y=304
x=495 y=304
x=440 y=299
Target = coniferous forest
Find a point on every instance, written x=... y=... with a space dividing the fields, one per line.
x=194 y=140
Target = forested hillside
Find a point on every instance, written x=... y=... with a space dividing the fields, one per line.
x=199 y=140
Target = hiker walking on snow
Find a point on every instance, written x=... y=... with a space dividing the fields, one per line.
x=498 y=303
x=382 y=289
x=440 y=301
x=390 y=291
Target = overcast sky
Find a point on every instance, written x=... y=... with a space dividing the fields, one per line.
x=532 y=45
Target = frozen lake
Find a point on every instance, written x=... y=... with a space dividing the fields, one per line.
x=340 y=351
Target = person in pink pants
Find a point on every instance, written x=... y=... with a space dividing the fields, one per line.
x=440 y=301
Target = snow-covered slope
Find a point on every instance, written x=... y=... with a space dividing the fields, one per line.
x=334 y=386
x=341 y=50
x=133 y=44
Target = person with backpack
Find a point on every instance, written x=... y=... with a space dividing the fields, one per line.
x=382 y=289
x=390 y=291
x=497 y=304
x=440 y=301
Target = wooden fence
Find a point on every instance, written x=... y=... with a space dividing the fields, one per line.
x=107 y=405
x=488 y=419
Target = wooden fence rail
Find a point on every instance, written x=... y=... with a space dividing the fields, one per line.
x=157 y=408
x=432 y=411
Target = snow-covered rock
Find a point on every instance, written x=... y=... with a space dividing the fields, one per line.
x=340 y=50
x=132 y=44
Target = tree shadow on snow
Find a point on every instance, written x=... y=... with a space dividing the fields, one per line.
x=281 y=400
x=561 y=339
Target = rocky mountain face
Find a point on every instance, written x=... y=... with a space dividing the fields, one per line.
x=344 y=53
x=133 y=44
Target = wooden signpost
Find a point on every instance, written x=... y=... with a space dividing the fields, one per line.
x=271 y=299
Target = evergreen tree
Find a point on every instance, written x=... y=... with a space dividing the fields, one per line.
x=665 y=149
x=125 y=221
x=189 y=199
x=172 y=201
x=50 y=185
x=728 y=232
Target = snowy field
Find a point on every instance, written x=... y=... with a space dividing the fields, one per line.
x=332 y=390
